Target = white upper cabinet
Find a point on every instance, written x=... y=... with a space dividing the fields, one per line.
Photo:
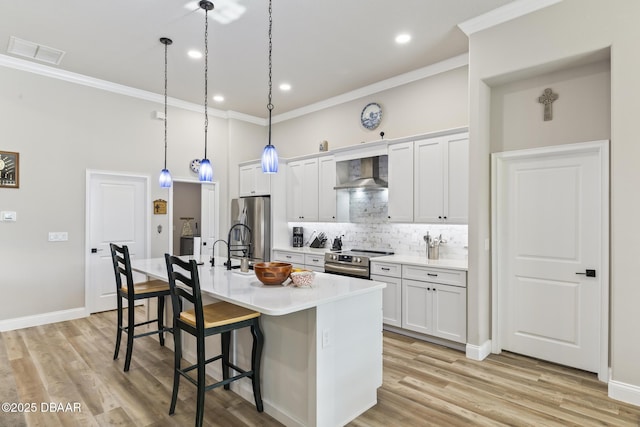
x=327 y=195
x=456 y=185
x=253 y=182
x=400 y=208
x=441 y=179
x=302 y=190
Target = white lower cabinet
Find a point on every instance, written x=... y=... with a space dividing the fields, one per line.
x=391 y=300
x=296 y=259
x=313 y=262
x=434 y=309
x=392 y=294
x=431 y=301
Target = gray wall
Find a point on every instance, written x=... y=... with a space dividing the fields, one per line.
x=60 y=130
x=547 y=39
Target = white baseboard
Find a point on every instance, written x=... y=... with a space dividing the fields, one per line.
x=624 y=392
x=42 y=319
x=480 y=352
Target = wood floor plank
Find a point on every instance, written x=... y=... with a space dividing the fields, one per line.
x=423 y=385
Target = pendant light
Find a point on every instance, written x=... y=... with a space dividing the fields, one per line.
x=165 y=175
x=269 y=155
x=206 y=170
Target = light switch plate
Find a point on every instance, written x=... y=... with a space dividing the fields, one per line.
x=8 y=216
x=58 y=236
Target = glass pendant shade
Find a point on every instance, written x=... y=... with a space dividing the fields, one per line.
x=165 y=178
x=269 y=154
x=206 y=171
x=269 y=159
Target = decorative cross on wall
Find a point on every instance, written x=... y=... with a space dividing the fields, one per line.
x=547 y=99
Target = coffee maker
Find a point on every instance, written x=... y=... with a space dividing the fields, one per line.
x=298 y=237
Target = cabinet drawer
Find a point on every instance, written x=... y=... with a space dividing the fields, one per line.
x=435 y=275
x=386 y=269
x=292 y=257
x=313 y=260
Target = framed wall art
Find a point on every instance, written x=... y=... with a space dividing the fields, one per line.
x=9 y=169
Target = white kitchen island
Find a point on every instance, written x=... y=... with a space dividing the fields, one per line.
x=322 y=357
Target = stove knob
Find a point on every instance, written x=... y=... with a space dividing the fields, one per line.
x=333 y=257
x=358 y=260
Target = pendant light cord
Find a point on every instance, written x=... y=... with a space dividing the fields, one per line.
x=270 y=105
x=206 y=72
x=166 y=44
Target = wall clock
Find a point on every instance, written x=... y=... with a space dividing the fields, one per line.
x=9 y=169
x=371 y=115
x=195 y=165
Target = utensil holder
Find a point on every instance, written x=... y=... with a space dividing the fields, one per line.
x=433 y=252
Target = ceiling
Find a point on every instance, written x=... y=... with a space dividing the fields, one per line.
x=321 y=48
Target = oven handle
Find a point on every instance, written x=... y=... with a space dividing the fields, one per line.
x=354 y=269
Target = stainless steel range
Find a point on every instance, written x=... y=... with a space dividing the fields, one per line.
x=354 y=263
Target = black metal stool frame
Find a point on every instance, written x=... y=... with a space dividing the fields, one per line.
x=120 y=258
x=189 y=289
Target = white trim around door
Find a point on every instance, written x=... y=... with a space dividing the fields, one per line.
x=500 y=164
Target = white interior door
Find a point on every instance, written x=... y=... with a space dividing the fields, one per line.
x=551 y=223
x=209 y=218
x=117 y=212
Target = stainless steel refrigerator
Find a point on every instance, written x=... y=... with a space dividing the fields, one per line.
x=255 y=242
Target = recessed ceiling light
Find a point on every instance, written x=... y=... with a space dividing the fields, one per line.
x=403 y=38
x=285 y=86
x=218 y=98
x=195 y=54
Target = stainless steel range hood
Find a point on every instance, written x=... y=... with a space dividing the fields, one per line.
x=369 y=176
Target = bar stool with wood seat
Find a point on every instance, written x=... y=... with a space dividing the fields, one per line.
x=132 y=293
x=217 y=318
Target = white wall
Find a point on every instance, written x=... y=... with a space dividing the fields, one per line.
x=61 y=130
x=569 y=29
x=431 y=104
x=581 y=113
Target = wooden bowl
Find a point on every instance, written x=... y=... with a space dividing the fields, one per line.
x=272 y=273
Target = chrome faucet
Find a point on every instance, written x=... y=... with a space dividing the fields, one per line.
x=247 y=251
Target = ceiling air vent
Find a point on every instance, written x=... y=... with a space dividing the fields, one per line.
x=34 y=51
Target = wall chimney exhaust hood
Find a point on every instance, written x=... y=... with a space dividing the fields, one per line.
x=369 y=176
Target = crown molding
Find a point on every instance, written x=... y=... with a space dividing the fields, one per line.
x=81 y=79
x=402 y=79
x=503 y=14
x=247 y=118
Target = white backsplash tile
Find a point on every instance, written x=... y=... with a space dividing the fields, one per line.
x=402 y=239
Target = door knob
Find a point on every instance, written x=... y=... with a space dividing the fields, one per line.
x=589 y=273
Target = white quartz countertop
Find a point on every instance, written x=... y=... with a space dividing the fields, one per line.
x=304 y=250
x=246 y=290
x=422 y=261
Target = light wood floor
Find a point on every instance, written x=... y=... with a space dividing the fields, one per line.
x=424 y=385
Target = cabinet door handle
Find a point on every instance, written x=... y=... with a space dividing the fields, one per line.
x=288 y=256
x=385 y=268
x=432 y=274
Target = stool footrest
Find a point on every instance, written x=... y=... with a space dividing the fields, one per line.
x=243 y=374
x=206 y=362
